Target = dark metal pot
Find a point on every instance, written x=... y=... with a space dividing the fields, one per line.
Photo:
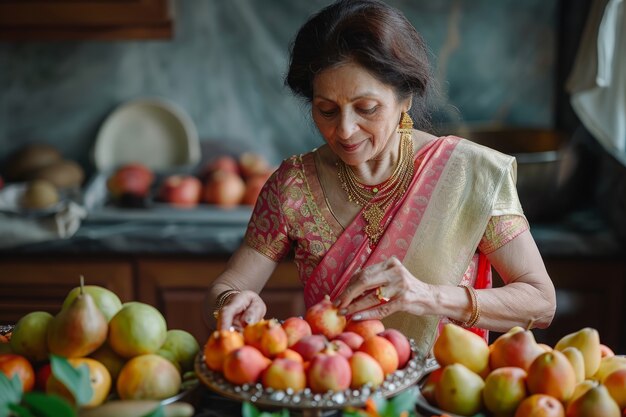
x=545 y=166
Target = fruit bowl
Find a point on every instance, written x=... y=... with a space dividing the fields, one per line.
x=306 y=399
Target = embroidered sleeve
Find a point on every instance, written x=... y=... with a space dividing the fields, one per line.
x=267 y=230
x=501 y=230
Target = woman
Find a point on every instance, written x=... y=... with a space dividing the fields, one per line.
x=392 y=223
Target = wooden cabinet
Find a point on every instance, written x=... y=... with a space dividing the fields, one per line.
x=88 y=19
x=41 y=285
x=175 y=285
x=590 y=293
x=178 y=288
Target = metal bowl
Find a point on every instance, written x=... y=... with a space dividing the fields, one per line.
x=306 y=399
x=545 y=165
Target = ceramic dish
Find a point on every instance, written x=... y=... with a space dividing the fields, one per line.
x=154 y=132
x=307 y=400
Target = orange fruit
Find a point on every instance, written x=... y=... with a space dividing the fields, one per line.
x=148 y=377
x=11 y=364
x=99 y=378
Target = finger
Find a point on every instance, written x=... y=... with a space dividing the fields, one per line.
x=255 y=311
x=379 y=312
x=366 y=301
x=236 y=305
x=364 y=280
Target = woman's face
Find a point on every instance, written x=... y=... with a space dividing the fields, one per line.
x=356 y=114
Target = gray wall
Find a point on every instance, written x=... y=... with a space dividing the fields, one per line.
x=224 y=66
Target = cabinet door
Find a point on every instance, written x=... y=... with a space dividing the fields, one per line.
x=87 y=19
x=178 y=288
x=27 y=285
x=589 y=294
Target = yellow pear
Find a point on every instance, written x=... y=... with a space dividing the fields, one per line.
x=586 y=340
x=596 y=402
x=581 y=388
x=458 y=345
x=608 y=365
x=575 y=357
x=459 y=390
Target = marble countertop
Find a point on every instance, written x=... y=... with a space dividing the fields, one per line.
x=581 y=233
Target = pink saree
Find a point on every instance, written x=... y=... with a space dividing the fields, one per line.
x=434 y=230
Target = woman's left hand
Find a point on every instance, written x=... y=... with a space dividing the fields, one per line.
x=381 y=290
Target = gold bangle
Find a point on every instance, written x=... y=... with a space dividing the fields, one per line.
x=221 y=299
x=475 y=316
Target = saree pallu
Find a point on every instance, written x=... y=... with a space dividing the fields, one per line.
x=434 y=229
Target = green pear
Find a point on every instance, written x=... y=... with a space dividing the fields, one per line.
x=595 y=402
x=78 y=329
x=183 y=346
x=460 y=391
x=586 y=340
x=106 y=300
x=458 y=345
x=29 y=336
x=575 y=357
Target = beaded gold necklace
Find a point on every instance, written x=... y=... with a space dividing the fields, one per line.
x=377 y=199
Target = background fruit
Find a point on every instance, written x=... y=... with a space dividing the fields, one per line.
x=99 y=378
x=106 y=300
x=78 y=329
x=137 y=329
x=148 y=377
x=183 y=346
x=540 y=405
x=29 y=336
x=12 y=364
x=504 y=390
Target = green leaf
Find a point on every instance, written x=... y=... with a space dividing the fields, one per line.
x=249 y=410
x=10 y=393
x=44 y=405
x=76 y=380
x=20 y=411
x=157 y=412
x=405 y=401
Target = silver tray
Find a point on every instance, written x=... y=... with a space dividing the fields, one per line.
x=306 y=399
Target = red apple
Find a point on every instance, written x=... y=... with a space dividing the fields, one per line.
x=353 y=340
x=133 y=179
x=252 y=164
x=224 y=189
x=181 y=190
x=253 y=188
x=400 y=342
x=222 y=163
x=324 y=318
x=308 y=346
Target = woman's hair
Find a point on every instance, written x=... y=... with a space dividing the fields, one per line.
x=372 y=34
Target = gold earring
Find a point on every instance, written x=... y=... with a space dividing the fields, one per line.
x=406 y=123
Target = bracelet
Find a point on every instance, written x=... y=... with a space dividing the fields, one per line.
x=475 y=308
x=221 y=299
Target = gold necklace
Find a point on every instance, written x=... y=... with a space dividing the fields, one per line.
x=376 y=200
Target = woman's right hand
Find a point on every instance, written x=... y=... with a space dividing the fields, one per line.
x=241 y=309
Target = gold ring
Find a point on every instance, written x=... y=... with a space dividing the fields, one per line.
x=380 y=295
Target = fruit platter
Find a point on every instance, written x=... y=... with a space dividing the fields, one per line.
x=516 y=376
x=310 y=364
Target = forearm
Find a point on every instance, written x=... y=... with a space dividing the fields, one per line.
x=516 y=304
x=246 y=270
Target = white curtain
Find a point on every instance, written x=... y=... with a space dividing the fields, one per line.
x=597 y=83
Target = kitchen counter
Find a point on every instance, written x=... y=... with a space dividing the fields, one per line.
x=581 y=233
